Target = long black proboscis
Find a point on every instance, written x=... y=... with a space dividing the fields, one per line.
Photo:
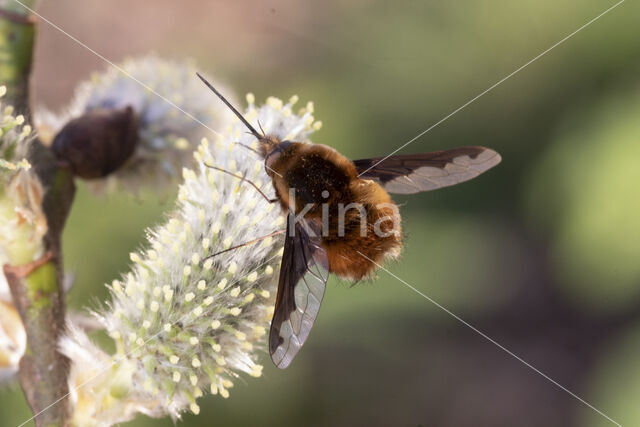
x=228 y=104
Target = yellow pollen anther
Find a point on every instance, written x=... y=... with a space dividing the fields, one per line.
x=182 y=144
x=168 y=295
x=256 y=372
x=233 y=268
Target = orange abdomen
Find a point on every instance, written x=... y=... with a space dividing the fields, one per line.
x=354 y=255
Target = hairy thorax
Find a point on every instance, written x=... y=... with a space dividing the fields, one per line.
x=312 y=174
x=360 y=223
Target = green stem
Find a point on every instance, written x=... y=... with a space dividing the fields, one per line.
x=43 y=371
x=36 y=288
x=17 y=33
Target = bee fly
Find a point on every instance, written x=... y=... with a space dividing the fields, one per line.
x=313 y=182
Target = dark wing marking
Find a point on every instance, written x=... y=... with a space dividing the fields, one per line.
x=303 y=277
x=413 y=173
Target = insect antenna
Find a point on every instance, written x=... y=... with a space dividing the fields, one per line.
x=228 y=104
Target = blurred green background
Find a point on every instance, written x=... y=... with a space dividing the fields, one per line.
x=542 y=254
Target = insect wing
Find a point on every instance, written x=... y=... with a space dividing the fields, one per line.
x=303 y=278
x=413 y=173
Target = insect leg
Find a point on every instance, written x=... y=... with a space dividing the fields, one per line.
x=262 y=130
x=246 y=146
x=250 y=242
x=242 y=178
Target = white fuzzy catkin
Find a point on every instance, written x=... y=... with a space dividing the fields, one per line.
x=22 y=226
x=167 y=135
x=185 y=324
x=13 y=340
x=15 y=137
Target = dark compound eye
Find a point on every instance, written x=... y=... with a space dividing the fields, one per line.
x=272 y=157
x=276 y=153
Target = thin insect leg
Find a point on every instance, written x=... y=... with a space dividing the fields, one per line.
x=249 y=133
x=250 y=242
x=247 y=147
x=260 y=126
x=242 y=178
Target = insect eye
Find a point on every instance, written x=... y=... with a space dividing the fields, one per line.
x=271 y=158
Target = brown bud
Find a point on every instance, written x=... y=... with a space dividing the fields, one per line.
x=98 y=142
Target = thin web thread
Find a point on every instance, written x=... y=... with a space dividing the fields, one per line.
x=493 y=86
x=494 y=342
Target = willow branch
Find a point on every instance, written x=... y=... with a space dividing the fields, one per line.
x=36 y=287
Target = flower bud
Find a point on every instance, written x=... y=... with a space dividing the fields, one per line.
x=97 y=143
x=172 y=111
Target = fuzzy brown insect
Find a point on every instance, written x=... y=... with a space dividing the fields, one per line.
x=341 y=219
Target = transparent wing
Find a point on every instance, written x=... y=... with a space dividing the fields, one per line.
x=413 y=173
x=303 y=278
